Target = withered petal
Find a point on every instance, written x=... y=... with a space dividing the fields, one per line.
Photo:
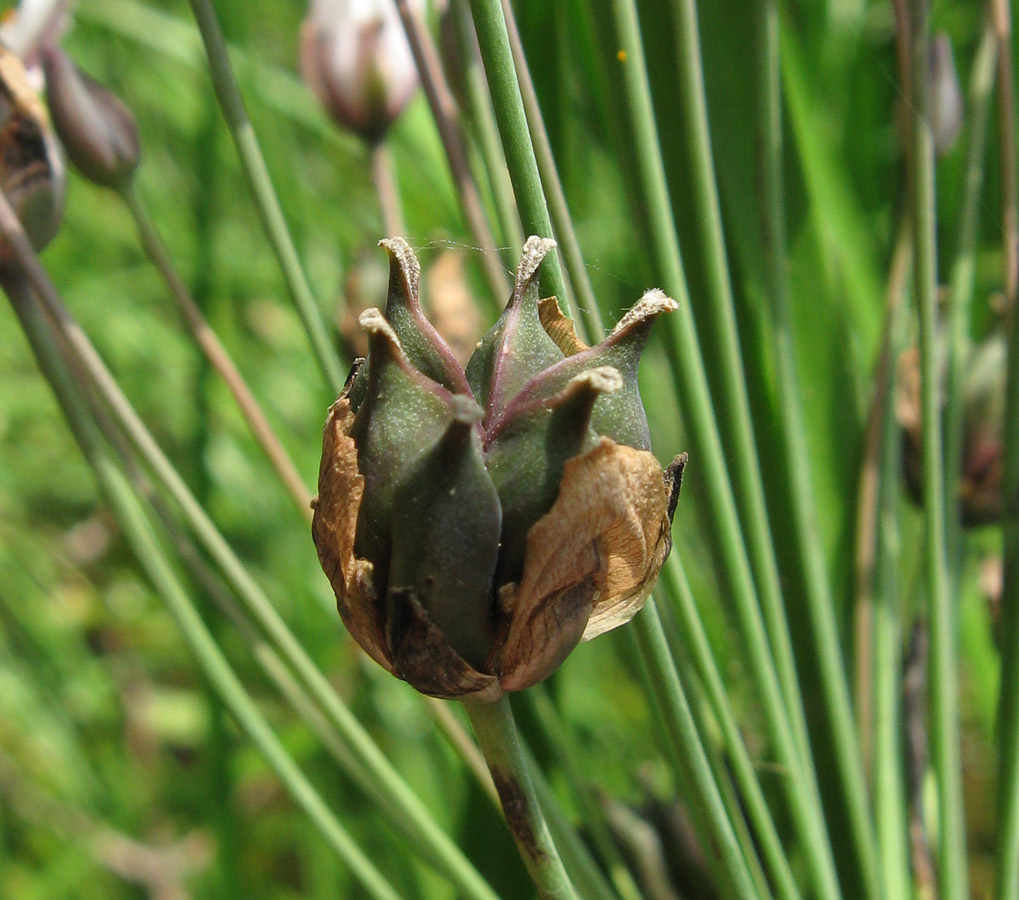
x=423 y=659
x=614 y=498
x=560 y=328
x=340 y=488
x=540 y=638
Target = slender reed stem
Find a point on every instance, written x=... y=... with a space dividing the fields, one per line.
x=593 y=816
x=1001 y=21
x=266 y=201
x=460 y=740
x=587 y=877
x=695 y=644
x=151 y=555
x=516 y=138
x=794 y=459
x=377 y=769
x=886 y=664
x=386 y=187
x=1007 y=860
x=961 y=279
x=868 y=507
x=688 y=755
x=497 y=736
x=690 y=381
x=217 y=354
x=718 y=329
x=486 y=132
x=943 y=670
x=447 y=120
x=591 y=328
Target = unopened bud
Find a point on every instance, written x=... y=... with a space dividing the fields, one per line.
x=354 y=56
x=945 y=94
x=476 y=526
x=97 y=130
x=31 y=173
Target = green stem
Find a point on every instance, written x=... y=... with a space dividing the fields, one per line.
x=1007 y=862
x=591 y=327
x=497 y=736
x=690 y=382
x=688 y=755
x=266 y=201
x=888 y=775
x=697 y=647
x=447 y=121
x=516 y=139
x=587 y=877
x=943 y=669
x=593 y=816
x=375 y=771
x=486 y=131
x=151 y=556
x=718 y=327
x=794 y=459
x=962 y=275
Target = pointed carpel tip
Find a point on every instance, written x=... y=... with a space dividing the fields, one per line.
x=403 y=257
x=653 y=303
x=602 y=379
x=372 y=321
x=466 y=411
x=535 y=250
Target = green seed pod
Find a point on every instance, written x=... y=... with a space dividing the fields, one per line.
x=97 y=130
x=472 y=543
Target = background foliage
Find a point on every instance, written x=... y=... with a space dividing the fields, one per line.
x=106 y=726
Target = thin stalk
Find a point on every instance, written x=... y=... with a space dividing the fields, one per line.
x=591 y=328
x=794 y=458
x=888 y=776
x=718 y=326
x=217 y=354
x=688 y=371
x=720 y=768
x=1001 y=21
x=377 y=771
x=1007 y=862
x=447 y=121
x=593 y=815
x=465 y=747
x=151 y=555
x=868 y=508
x=482 y=121
x=384 y=177
x=695 y=644
x=688 y=756
x=267 y=203
x=961 y=279
x=516 y=139
x=497 y=736
x=587 y=877
x=943 y=669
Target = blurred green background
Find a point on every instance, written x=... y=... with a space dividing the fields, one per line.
x=117 y=764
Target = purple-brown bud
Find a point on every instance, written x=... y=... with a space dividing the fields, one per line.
x=31 y=172
x=97 y=130
x=477 y=525
x=354 y=56
x=979 y=488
